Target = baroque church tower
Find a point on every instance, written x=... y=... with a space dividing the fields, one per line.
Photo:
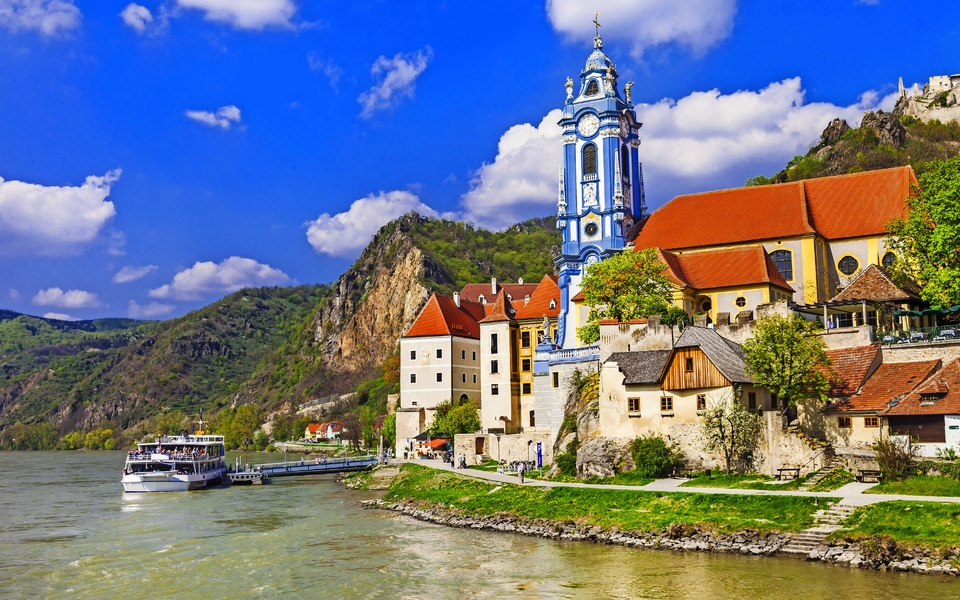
x=601 y=183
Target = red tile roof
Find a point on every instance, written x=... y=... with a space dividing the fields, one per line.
x=838 y=207
x=314 y=427
x=442 y=316
x=851 y=366
x=940 y=395
x=539 y=304
x=516 y=291
x=711 y=269
x=579 y=297
x=873 y=283
x=502 y=311
x=887 y=382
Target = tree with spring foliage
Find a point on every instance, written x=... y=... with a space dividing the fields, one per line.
x=731 y=431
x=628 y=285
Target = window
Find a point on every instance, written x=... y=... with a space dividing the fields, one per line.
x=706 y=305
x=439 y=377
x=526 y=389
x=463 y=355
x=589 y=159
x=740 y=302
x=494 y=389
x=413 y=377
x=783 y=259
x=553 y=304
x=494 y=366
x=871 y=421
x=593 y=88
x=666 y=404
x=701 y=402
x=474 y=355
x=633 y=404
x=463 y=377
x=413 y=355
x=524 y=339
x=752 y=400
x=848 y=265
x=474 y=378
x=688 y=365
x=844 y=422
x=493 y=343
x=439 y=352
x=525 y=364
x=888 y=259
x=625 y=163
x=533 y=419
x=556 y=380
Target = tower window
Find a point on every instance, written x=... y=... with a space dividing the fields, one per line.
x=589 y=159
x=593 y=88
x=888 y=259
x=625 y=162
x=783 y=259
x=848 y=265
x=493 y=343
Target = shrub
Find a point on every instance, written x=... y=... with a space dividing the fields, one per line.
x=654 y=457
x=895 y=458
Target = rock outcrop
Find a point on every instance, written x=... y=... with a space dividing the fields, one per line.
x=886 y=126
x=604 y=457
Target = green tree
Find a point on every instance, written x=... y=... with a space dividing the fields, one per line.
x=389 y=431
x=927 y=239
x=451 y=419
x=731 y=431
x=283 y=427
x=786 y=356
x=170 y=422
x=260 y=439
x=299 y=427
x=368 y=419
x=628 y=285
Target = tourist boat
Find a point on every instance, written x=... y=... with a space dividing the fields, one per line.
x=175 y=464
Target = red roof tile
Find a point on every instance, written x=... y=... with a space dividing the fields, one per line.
x=836 y=207
x=873 y=283
x=313 y=427
x=442 y=316
x=502 y=310
x=711 y=269
x=516 y=291
x=940 y=395
x=539 y=304
x=851 y=366
x=887 y=382
x=579 y=297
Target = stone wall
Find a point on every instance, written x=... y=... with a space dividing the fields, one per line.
x=944 y=351
x=504 y=447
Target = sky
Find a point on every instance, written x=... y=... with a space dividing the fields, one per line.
x=157 y=155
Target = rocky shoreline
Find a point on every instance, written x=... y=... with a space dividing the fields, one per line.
x=883 y=556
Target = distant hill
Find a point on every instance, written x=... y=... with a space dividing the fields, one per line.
x=270 y=347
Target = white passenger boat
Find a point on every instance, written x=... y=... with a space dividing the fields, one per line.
x=175 y=464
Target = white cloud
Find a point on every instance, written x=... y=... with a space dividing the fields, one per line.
x=14 y=294
x=232 y=274
x=224 y=118
x=148 y=311
x=137 y=17
x=325 y=66
x=347 y=233
x=695 y=24
x=128 y=274
x=49 y=17
x=521 y=182
x=245 y=14
x=52 y=220
x=59 y=316
x=396 y=79
x=70 y=299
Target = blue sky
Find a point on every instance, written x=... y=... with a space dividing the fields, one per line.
x=159 y=154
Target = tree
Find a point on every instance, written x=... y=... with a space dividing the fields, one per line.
x=628 y=285
x=282 y=427
x=786 y=356
x=170 y=421
x=451 y=419
x=389 y=431
x=926 y=240
x=732 y=431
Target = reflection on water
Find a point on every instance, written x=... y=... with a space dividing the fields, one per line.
x=67 y=530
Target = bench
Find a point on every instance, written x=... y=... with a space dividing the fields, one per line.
x=787 y=473
x=864 y=474
x=683 y=472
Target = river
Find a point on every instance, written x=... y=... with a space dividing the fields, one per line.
x=67 y=530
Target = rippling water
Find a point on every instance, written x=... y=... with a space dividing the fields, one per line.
x=67 y=530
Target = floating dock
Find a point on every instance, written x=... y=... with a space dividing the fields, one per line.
x=259 y=473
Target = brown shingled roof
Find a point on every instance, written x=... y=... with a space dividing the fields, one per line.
x=940 y=395
x=888 y=382
x=539 y=304
x=442 y=316
x=873 y=283
x=473 y=291
x=851 y=367
x=502 y=311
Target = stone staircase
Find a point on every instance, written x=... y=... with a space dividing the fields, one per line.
x=827 y=521
x=829 y=467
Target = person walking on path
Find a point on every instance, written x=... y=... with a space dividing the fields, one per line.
x=520 y=470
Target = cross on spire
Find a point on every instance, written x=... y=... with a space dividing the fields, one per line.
x=597 y=42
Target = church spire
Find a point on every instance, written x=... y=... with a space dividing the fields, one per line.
x=597 y=40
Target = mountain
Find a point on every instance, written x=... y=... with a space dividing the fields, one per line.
x=269 y=347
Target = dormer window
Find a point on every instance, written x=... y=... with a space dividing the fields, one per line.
x=929 y=398
x=482 y=299
x=593 y=88
x=553 y=304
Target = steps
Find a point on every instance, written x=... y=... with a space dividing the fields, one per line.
x=829 y=467
x=827 y=521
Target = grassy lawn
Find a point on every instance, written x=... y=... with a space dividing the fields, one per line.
x=920 y=485
x=628 y=478
x=834 y=481
x=753 y=481
x=919 y=523
x=624 y=509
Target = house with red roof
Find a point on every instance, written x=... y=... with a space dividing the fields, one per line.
x=313 y=431
x=930 y=413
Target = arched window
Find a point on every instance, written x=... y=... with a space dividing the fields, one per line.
x=593 y=88
x=888 y=259
x=625 y=162
x=589 y=159
x=848 y=265
x=783 y=259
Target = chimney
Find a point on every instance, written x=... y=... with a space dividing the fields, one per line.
x=493 y=286
x=520 y=281
x=456 y=299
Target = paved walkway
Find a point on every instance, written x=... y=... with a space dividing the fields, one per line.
x=851 y=494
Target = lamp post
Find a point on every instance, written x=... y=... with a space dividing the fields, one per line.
x=529 y=442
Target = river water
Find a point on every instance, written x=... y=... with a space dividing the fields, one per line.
x=67 y=530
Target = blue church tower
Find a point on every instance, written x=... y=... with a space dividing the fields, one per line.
x=601 y=183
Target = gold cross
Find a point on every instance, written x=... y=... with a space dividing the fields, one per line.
x=596 y=21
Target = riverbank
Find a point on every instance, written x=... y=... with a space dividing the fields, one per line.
x=759 y=525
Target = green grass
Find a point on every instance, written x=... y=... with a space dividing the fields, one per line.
x=834 y=481
x=628 y=478
x=752 y=481
x=928 y=524
x=919 y=485
x=626 y=510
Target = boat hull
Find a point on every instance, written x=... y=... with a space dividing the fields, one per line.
x=163 y=482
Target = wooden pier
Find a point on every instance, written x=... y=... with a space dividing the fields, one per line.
x=310 y=467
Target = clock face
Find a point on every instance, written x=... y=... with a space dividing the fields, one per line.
x=588 y=125
x=624 y=127
x=591 y=229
